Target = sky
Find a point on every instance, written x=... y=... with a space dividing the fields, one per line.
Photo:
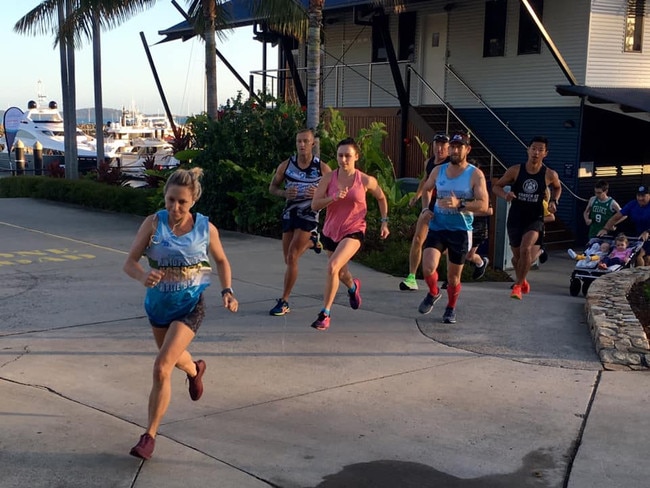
x=126 y=76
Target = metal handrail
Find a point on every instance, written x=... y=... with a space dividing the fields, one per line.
x=478 y=97
x=487 y=107
x=493 y=156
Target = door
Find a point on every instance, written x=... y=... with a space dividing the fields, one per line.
x=434 y=57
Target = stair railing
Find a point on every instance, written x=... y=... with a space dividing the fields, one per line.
x=493 y=158
x=478 y=97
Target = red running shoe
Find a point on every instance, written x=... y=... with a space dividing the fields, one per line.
x=144 y=448
x=196 y=384
x=516 y=292
x=525 y=287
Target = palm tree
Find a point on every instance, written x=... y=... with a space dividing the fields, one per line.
x=70 y=21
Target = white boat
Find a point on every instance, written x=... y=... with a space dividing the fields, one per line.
x=44 y=124
x=140 y=154
x=134 y=125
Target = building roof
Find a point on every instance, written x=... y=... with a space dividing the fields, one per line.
x=239 y=15
x=629 y=99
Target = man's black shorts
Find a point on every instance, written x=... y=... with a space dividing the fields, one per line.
x=516 y=232
x=455 y=242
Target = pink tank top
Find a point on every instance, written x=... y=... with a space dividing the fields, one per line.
x=346 y=215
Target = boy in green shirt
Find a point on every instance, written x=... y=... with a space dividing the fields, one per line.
x=600 y=208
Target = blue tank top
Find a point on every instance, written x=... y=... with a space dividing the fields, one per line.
x=186 y=264
x=461 y=187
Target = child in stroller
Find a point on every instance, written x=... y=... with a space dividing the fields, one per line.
x=620 y=254
x=588 y=269
x=597 y=250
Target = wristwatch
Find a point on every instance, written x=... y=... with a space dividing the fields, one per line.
x=227 y=290
x=461 y=205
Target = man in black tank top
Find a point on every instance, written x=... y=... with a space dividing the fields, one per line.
x=527 y=184
x=296 y=179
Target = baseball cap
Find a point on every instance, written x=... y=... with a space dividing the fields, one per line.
x=441 y=137
x=459 y=139
x=643 y=190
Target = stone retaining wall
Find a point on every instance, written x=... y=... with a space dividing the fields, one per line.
x=621 y=342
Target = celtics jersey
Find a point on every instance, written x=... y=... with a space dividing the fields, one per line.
x=599 y=214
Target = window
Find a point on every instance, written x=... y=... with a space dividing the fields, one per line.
x=530 y=40
x=494 y=30
x=405 y=36
x=406 y=32
x=634 y=26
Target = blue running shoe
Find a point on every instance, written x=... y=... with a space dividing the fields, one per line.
x=355 y=298
x=449 y=316
x=427 y=304
x=281 y=308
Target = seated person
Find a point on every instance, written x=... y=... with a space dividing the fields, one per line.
x=595 y=252
x=619 y=255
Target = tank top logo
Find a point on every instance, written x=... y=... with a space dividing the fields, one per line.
x=530 y=186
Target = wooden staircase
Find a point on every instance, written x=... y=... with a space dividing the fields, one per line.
x=431 y=119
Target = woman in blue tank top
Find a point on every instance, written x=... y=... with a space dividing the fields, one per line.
x=177 y=244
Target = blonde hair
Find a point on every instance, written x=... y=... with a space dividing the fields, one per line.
x=188 y=178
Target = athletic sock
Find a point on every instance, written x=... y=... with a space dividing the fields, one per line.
x=326 y=311
x=411 y=276
x=453 y=292
x=353 y=289
x=432 y=282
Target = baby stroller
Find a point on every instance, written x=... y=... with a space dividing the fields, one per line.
x=587 y=270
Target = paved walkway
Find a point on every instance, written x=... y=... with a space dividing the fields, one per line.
x=511 y=396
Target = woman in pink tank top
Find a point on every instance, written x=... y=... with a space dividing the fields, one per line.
x=343 y=193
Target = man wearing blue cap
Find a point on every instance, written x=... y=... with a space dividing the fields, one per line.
x=638 y=211
x=460 y=191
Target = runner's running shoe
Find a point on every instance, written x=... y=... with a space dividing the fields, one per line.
x=355 y=298
x=322 y=322
x=281 y=308
x=316 y=244
x=516 y=292
x=409 y=283
x=479 y=271
x=449 y=317
x=427 y=304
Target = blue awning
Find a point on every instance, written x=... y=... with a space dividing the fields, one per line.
x=239 y=15
x=629 y=99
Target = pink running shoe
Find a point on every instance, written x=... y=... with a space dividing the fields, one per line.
x=322 y=322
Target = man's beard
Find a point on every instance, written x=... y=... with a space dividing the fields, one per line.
x=455 y=160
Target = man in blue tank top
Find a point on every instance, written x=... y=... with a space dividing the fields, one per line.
x=460 y=191
x=296 y=179
x=525 y=225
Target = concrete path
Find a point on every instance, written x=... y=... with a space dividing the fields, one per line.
x=511 y=396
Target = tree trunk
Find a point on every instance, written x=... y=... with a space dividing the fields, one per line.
x=97 y=79
x=209 y=10
x=68 y=98
x=314 y=62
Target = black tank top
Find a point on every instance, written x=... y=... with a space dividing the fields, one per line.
x=530 y=190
